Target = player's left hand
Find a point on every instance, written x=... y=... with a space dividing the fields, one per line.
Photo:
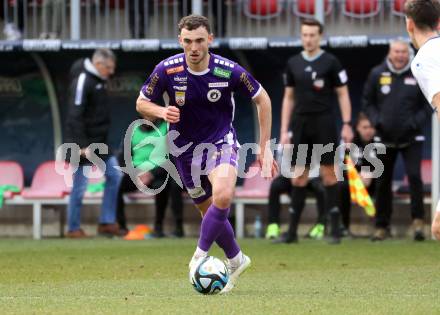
x=268 y=165
x=145 y=179
x=347 y=133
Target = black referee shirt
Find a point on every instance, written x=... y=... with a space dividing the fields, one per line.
x=314 y=80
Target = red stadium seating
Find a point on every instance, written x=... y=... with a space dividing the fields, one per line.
x=398 y=7
x=262 y=9
x=11 y=173
x=47 y=183
x=426 y=172
x=254 y=187
x=306 y=8
x=361 y=8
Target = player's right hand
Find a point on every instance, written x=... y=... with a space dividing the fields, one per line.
x=171 y=114
x=284 y=138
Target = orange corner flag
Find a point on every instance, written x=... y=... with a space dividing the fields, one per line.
x=358 y=192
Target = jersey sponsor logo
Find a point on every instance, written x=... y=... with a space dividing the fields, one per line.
x=218 y=84
x=175 y=70
x=180 y=88
x=180 y=98
x=222 y=73
x=385 y=89
x=245 y=79
x=410 y=81
x=150 y=87
x=343 y=76
x=196 y=192
x=214 y=95
x=385 y=80
x=180 y=79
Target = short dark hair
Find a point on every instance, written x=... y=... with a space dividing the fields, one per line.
x=313 y=22
x=361 y=116
x=424 y=13
x=194 y=21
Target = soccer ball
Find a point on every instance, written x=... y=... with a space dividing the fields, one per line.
x=209 y=276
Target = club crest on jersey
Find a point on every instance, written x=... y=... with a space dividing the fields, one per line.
x=214 y=95
x=180 y=98
x=385 y=89
x=318 y=84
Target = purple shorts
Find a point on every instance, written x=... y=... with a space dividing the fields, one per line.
x=194 y=166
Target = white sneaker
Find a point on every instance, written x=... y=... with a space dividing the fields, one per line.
x=235 y=272
x=194 y=261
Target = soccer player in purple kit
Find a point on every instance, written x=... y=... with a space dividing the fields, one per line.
x=200 y=86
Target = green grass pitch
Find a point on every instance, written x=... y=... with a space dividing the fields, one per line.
x=150 y=277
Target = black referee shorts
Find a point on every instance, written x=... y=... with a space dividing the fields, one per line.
x=312 y=132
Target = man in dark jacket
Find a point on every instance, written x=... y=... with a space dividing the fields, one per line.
x=88 y=123
x=397 y=109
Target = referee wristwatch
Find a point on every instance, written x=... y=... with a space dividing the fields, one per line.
x=347 y=123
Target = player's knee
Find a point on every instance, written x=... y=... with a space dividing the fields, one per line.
x=328 y=177
x=222 y=198
x=301 y=180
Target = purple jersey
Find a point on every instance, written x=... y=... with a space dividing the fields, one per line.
x=205 y=99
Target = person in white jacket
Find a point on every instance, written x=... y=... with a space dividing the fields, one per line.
x=422 y=24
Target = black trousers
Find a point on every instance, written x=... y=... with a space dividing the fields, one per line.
x=282 y=185
x=171 y=191
x=412 y=157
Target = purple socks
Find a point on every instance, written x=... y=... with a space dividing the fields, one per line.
x=216 y=227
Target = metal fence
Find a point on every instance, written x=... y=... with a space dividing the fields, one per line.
x=120 y=19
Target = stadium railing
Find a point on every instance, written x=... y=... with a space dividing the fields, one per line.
x=122 y=19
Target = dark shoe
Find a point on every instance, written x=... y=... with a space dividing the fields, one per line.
x=379 y=235
x=77 y=234
x=334 y=240
x=286 y=238
x=108 y=230
x=158 y=234
x=178 y=233
x=123 y=232
x=418 y=226
x=335 y=237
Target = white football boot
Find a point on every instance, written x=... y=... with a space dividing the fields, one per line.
x=235 y=272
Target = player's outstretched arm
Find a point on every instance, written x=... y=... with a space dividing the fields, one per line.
x=152 y=111
x=345 y=107
x=265 y=158
x=286 y=113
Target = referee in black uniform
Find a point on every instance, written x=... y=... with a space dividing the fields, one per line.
x=311 y=80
